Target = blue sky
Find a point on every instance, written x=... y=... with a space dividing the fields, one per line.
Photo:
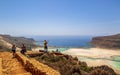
x=59 y=17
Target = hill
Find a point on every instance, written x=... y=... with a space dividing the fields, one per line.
x=112 y=41
x=6 y=42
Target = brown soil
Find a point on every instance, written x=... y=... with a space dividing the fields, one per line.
x=11 y=66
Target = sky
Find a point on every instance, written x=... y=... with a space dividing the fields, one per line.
x=59 y=17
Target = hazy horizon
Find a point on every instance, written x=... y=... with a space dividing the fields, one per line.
x=59 y=17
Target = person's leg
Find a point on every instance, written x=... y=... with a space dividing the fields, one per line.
x=46 y=50
x=22 y=51
x=13 y=53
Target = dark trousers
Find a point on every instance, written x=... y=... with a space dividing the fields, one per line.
x=22 y=51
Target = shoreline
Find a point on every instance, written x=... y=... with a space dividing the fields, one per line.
x=92 y=52
x=92 y=56
x=96 y=56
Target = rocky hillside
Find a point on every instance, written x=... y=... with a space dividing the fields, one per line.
x=6 y=41
x=112 y=41
x=68 y=65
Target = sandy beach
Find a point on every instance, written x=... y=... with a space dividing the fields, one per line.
x=93 y=52
x=95 y=56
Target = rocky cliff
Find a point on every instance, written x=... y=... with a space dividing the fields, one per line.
x=6 y=41
x=112 y=41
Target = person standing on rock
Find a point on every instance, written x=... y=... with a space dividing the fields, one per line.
x=13 y=50
x=23 y=49
x=45 y=46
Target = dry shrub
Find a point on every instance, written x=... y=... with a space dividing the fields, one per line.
x=102 y=70
x=67 y=65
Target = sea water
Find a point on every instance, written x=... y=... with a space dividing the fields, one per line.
x=116 y=61
x=65 y=41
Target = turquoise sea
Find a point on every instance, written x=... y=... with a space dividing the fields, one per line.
x=116 y=61
x=63 y=43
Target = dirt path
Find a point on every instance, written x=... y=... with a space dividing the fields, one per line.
x=11 y=66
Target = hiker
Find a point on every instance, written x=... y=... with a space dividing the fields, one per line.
x=45 y=46
x=13 y=50
x=23 y=49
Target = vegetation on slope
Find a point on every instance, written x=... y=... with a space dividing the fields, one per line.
x=68 y=65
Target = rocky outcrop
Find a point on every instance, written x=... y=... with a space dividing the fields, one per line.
x=107 y=41
x=35 y=67
x=102 y=70
x=68 y=65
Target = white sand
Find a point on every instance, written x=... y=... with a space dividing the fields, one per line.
x=95 y=53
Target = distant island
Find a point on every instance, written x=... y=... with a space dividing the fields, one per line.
x=110 y=42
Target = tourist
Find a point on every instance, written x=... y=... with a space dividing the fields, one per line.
x=23 y=49
x=13 y=50
x=45 y=46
